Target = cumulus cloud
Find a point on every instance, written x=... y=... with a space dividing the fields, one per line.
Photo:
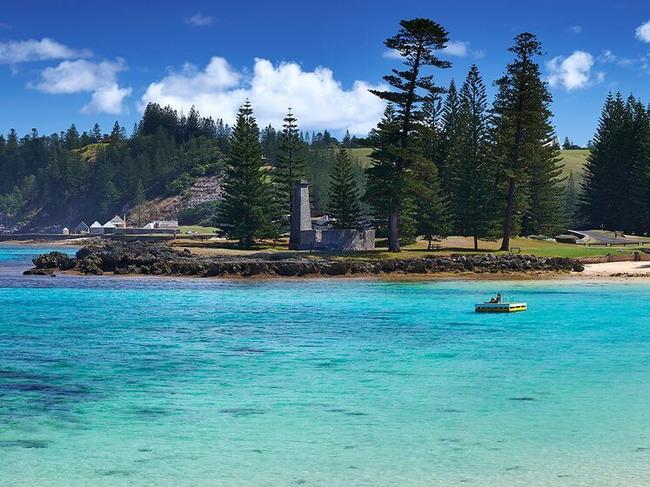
x=199 y=20
x=316 y=97
x=83 y=76
x=643 y=32
x=572 y=72
x=456 y=48
x=14 y=52
x=453 y=48
x=108 y=99
x=460 y=49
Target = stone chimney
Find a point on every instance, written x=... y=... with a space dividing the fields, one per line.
x=300 y=213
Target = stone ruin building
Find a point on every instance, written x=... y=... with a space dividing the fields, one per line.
x=304 y=237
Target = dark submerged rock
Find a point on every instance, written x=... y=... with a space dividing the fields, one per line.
x=39 y=272
x=54 y=260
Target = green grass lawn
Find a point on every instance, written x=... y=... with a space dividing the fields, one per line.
x=462 y=245
x=453 y=245
x=197 y=229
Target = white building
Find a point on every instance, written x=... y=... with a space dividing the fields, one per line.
x=170 y=224
x=96 y=229
x=82 y=228
x=117 y=221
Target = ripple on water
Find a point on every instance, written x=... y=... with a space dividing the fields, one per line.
x=34 y=444
x=241 y=412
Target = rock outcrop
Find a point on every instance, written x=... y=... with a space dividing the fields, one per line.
x=161 y=259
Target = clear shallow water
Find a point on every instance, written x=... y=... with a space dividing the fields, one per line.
x=174 y=382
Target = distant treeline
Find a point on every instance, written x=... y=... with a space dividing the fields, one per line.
x=616 y=184
x=50 y=178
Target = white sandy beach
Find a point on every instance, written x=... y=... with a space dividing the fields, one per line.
x=617 y=268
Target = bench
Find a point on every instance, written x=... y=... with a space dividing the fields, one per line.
x=515 y=250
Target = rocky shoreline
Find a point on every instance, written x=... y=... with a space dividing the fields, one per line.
x=143 y=258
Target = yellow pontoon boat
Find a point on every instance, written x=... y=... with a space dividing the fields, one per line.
x=500 y=307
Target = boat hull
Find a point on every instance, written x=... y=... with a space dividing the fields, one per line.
x=500 y=307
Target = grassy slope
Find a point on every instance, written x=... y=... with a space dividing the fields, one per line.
x=361 y=156
x=574 y=161
x=89 y=152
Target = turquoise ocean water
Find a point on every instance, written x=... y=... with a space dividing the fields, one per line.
x=188 y=382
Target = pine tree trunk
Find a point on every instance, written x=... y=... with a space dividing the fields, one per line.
x=507 y=224
x=393 y=232
x=430 y=242
x=475 y=242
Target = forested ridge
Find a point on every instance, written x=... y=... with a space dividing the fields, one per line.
x=71 y=176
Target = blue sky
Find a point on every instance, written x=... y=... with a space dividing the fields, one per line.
x=82 y=62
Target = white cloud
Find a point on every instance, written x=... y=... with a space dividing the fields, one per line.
x=453 y=48
x=107 y=99
x=572 y=72
x=81 y=76
x=318 y=100
x=199 y=20
x=575 y=29
x=608 y=56
x=643 y=32
x=456 y=48
x=13 y=52
x=391 y=54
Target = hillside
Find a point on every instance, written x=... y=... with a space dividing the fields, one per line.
x=361 y=156
x=573 y=160
x=88 y=153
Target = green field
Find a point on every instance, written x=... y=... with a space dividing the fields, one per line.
x=197 y=229
x=451 y=245
x=360 y=156
x=573 y=160
x=540 y=248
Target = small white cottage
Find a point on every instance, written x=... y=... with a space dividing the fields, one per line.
x=96 y=228
x=82 y=228
x=117 y=221
x=168 y=224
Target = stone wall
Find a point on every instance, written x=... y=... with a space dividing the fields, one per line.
x=337 y=240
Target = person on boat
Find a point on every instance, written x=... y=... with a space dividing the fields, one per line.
x=496 y=299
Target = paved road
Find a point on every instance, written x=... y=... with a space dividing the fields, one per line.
x=608 y=238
